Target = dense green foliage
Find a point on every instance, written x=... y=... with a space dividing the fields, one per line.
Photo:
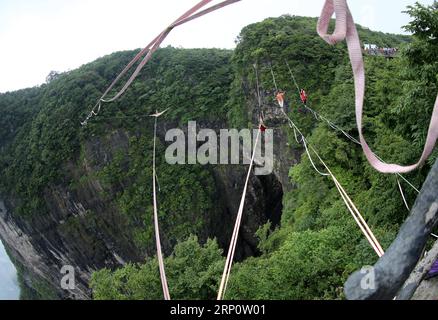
x=47 y=148
x=46 y=121
x=317 y=232
x=194 y=186
x=193 y=273
x=318 y=244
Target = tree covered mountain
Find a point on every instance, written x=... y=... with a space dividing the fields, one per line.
x=87 y=190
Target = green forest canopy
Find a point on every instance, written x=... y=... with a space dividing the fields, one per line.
x=318 y=244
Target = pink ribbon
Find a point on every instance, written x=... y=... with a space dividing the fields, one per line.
x=346 y=29
x=153 y=46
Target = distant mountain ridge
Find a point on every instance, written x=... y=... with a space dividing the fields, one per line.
x=82 y=196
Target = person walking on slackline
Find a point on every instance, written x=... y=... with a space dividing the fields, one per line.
x=280 y=98
x=303 y=96
x=262 y=127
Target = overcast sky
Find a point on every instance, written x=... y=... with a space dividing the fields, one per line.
x=9 y=289
x=37 y=36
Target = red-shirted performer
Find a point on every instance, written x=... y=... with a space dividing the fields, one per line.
x=280 y=98
x=262 y=125
x=303 y=96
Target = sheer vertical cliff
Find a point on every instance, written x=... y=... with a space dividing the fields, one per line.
x=81 y=196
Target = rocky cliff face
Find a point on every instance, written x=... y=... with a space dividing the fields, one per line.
x=85 y=231
x=428 y=290
x=81 y=230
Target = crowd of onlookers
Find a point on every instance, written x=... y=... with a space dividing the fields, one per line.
x=374 y=50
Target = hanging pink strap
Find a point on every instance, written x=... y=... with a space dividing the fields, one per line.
x=346 y=29
x=150 y=49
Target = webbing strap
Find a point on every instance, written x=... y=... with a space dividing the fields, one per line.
x=403 y=195
x=351 y=138
x=233 y=243
x=150 y=49
x=163 y=278
x=273 y=78
x=346 y=29
x=366 y=230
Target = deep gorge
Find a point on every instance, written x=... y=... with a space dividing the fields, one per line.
x=81 y=196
